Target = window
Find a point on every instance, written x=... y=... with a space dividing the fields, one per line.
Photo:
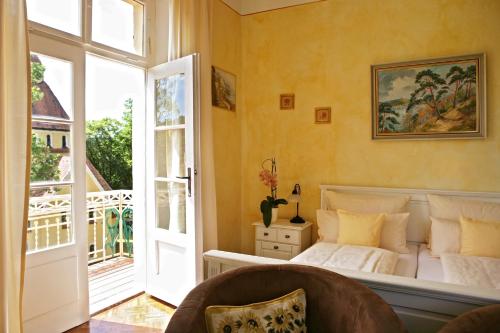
x=64 y=15
x=51 y=170
x=60 y=87
x=119 y=24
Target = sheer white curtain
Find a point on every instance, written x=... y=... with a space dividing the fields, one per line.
x=15 y=146
x=190 y=26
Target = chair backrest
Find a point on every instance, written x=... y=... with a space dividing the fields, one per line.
x=485 y=320
x=334 y=302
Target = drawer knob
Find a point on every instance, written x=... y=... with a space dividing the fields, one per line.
x=266 y=234
x=276 y=247
x=287 y=236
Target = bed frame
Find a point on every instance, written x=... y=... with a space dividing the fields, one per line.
x=424 y=306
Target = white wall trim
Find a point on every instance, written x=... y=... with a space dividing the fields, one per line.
x=247 y=7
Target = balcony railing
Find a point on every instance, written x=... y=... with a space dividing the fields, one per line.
x=109 y=220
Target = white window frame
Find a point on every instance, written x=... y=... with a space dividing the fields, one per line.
x=89 y=46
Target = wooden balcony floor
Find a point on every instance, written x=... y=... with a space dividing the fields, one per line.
x=110 y=282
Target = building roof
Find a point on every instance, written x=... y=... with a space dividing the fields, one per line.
x=65 y=175
x=49 y=105
x=40 y=125
x=97 y=175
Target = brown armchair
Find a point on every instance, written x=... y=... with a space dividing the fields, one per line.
x=334 y=302
x=482 y=320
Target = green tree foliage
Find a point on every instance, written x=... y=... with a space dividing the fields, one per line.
x=37 y=72
x=44 y=164
x=438 y=96
x=431 y=88
x=469 y=79
x=455 y=76
x=109 y=148
x=387 y=118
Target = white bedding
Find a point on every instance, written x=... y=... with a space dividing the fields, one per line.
x=358 y=258
x=429 y=267
x=471 y=270
x=408 y=262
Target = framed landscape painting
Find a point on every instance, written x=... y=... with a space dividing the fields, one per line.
x=223 y=89
x=438 y=98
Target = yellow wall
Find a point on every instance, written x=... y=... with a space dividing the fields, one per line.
x=56 y=137
x=322 y=52
x=226 y=54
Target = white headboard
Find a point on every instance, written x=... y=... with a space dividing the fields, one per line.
x=418 y=205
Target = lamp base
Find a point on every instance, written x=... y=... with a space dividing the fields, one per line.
x=297 y=219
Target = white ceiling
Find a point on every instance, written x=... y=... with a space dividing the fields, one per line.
x=245 y=7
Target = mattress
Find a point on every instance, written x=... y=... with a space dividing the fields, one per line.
x=320 y=253
x=429 y=268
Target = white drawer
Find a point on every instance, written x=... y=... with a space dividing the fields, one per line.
x=277 y=247
x=264 y=233
x=276 y=254
x=289 y=236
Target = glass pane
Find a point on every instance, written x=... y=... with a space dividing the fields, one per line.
x=109 y=87
x=119 y=24
x=170 y=153
x=50 y=152
x=51 y=87
x=49 y=221
x=171 y=206
x=63 y=15
x=170 y=108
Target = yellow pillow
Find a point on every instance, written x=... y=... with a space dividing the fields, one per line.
x=359 y=229
x=283 y=314
x=480 y=238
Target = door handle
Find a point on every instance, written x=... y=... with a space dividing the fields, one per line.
x=188 y=179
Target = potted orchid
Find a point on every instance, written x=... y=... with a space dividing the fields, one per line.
x=269 y=207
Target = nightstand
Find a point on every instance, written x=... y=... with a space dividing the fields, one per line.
x=282 y=240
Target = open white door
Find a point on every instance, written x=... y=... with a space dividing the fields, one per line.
x=173 y=240
x=56 y=285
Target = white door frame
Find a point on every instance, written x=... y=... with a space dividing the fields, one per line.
x=192 y=240
x=56 y=280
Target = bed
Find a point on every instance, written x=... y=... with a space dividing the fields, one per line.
x=359 y=258
x=416 y=289
x=472 y=271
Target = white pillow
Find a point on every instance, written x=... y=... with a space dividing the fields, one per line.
x=369 y=204
x=328 y=225
x=392 y=237
x=445 y=236
x=451 y=208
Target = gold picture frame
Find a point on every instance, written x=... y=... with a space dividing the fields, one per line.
x=287 y=101
x=441 y=98
x=323 y=115
x=223 y=89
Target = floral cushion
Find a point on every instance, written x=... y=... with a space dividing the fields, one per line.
x=286 y=314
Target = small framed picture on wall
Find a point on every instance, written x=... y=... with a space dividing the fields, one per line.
x=287 y=101
x=323 y=115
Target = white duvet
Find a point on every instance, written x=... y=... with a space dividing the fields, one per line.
x=358 y=258
x=471 y=271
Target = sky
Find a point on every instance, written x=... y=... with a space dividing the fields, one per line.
x=59 y=75
x=109 y=84
x=400 y=83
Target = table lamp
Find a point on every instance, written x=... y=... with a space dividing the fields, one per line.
x=295 y=197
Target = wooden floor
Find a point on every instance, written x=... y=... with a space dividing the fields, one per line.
x=142 y=314
x=110 y=282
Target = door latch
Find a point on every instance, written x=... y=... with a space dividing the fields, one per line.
x=188 y=179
